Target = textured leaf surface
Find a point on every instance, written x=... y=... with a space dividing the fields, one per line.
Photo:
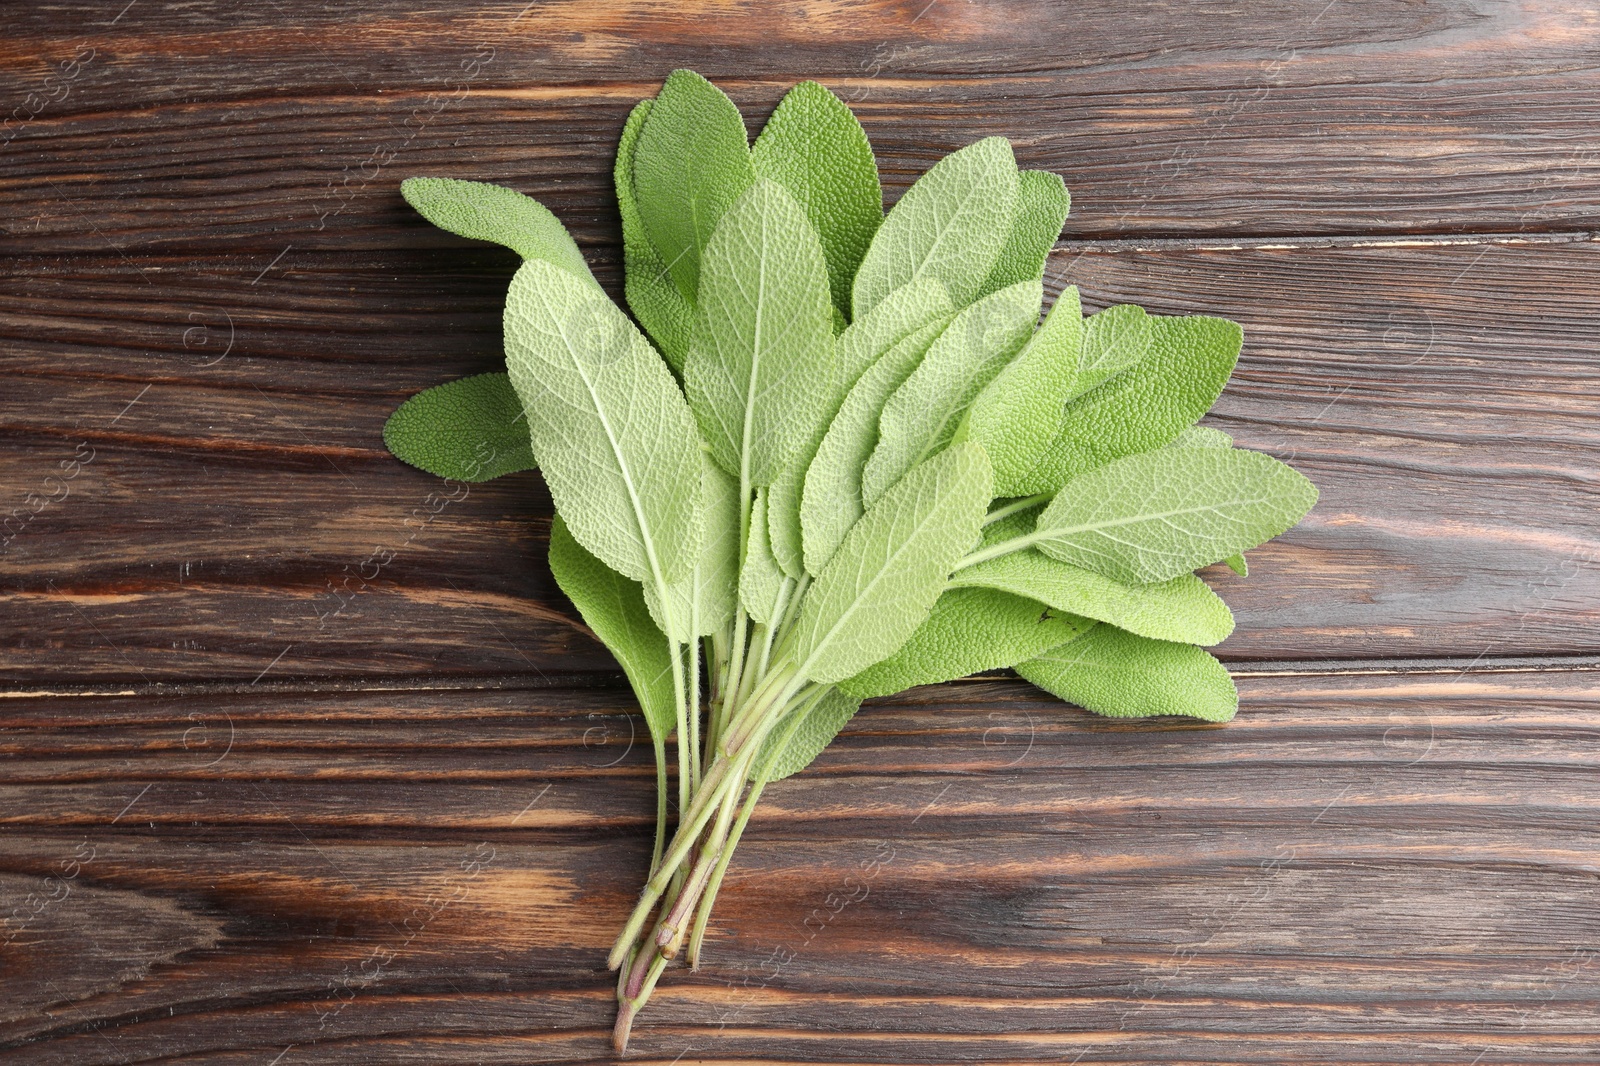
x=1017 y=415
x=905 y=311
x=487 y=212
x=613 y=606
x=1041 y=209
x=1121 y=675
x=813 y=732
x=760 y=369
x=610 y=430
x=885 y=577
x=1154 y=516
x=950 y=226
x=814 y=147
x=1201 y=437
x=969 y=630
x=761 y=578
x=703 y=601
x=1113 y=341
x=470 y=429
x=690 y=165
x=1148 y=405
x=831 y=503
x=923 y=413
x=653 y=296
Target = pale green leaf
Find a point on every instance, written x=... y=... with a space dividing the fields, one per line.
x=690 y=165
x=487 y=212
x=611 y=432
x=470 y=429
x=1113 y=341
x=950 y=226
x=613 y=607
x=1238 y=565
x=1121 y=675
x=653 y=296
x=1042 y=205
x=923 y=413
x=1167 y=391
x=831 y=503
x=814 y=147
x=760 y=369
x=969 y=630
x=1016 y=416
x=1151 y=517
x=760 y=579
x=905 y=311
x=1201 y=437
x=704 y=600
x=892 y=566
x=794 y=745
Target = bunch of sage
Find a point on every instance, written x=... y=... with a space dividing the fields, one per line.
x=842 y=457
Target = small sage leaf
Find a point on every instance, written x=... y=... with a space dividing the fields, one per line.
x=1120 y=675
x=470 y=429
x=1042 y=205
x=488 y=212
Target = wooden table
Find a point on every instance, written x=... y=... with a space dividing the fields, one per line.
x=249 y=821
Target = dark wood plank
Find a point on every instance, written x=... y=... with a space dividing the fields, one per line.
x=1444 y=398
x=260 y=130
x=1376 y=866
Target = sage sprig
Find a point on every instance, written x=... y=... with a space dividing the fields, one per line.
x=835 y=454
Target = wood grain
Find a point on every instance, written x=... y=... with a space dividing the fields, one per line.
x=305 y=761
x=1374 y=862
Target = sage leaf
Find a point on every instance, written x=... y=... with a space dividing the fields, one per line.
x=814 y=147
x=950 y=226
x=969 y=630
x=470 y=429
x=1238 y=564
x=613 y=607
x=786 y=752
x=1120 y=675
x=760 y=369
x=611 y=432
x=923 y=413
x=831 y=503
x=488 y=212
x=653 y=296
x=1113 y=341
x=690 y=165
x=760 y=578
x=1151 y=517
x=905 y=311
x=882 y=582
x=1016 y=415
x=1201 y=437
x=1041 y=209
x=703 y=602
x=1183 y=608
x=1188 y=363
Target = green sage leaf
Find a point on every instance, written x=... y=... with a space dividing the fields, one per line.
x=786 y=752
x=1041 y=210
x=831 y=503
x=760 y=369
x=653 y=296
x=1201 y=437
x=1120 y=675
x=1016 y=416
x=1151 y=517
x=1114 y=340
x=488 y=212
x=690 y=165
x=970 y=630
x=882 y=582
x=761 y=578
x=1148 y=405
x=702 y=602
x=613 y=607
x=470 y=429
x=950 y=226
x=814 y=147
x=611 y=432
x=923 y=413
